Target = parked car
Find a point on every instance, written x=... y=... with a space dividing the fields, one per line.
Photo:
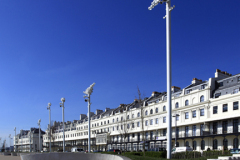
x=110 y=150
x=235 y=151
x=97 y=151
x=181 y=149
x=75 y=149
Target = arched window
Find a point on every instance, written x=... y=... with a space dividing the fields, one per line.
x=156 y=110
x=164 y=108
x=202 y=145
x=186 y=103
x=132 y=115
x=235 y=143
x=202 y=99
x=194 y=145
x=215 y=144
x=151 y=111
x=146 y=113
x=127 y=116
x=113 y=120
x=138 y=114
x=187 y=143
x=225 y=144
x=117 y=119
x=176 y=105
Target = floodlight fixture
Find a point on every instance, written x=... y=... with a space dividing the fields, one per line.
x=89 y=90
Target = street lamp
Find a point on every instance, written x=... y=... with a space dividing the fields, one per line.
x=15 y=140
x=48 y=108
x=88 y=93
x=169 y=76
x=62 y=105
x=9 y=141
x=176 y=115
x=0 y=142
x=39 y=121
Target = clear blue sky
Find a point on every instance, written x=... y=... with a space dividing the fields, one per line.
x=54 y=49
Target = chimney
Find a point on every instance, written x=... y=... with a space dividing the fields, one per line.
x=98 y=111
x=196 y=81
x=175 y=89
x=155 y=93
x=82 y=116
x=107 y=109
x=221 y=74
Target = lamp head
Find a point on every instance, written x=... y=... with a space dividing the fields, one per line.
x=49 y=104
x=63 y=99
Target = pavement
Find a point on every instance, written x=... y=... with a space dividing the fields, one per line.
x=2 y=157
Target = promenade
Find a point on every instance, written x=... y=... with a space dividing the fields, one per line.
x=2 y=157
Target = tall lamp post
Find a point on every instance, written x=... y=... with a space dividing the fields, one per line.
x=0 y=142
x=39 y=121
x=88 y=93
x=15 y=140
x=9 y=141
x=176 y=115
x=62 y=105
x=48 y=108
x=169 y=76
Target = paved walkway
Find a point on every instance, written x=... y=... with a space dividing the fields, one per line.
x=2 y=157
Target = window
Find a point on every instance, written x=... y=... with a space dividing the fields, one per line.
x=188 y=91
x=215 y=109
x=201 y=129
x=156 y=110
x=127 y=116
x=224 y=126
x=201 y=112
x=220 y=84
x=194 y=129
x=156 y=121
x=225 y=143
x=164 y=108
x=203 y=86
x=239 y=78
x=132 y=115
x=151 y=111
x=225 y=108
x=187 y=144
x=113 y=120
x=132 y=125
x=186 y=131
x=186 y=103
x=186 y=115
x=117 y=119
x=146 y=113
x=138 y=124
x=128 y=126
x=121 y=118
x=177 y=117
x=235 y=105
x=194 y=114
x=176 y=105
x=217 y=95
x=235 y=91
x=202 y=145
x=164 y=119
x=194 y=145
x=235 y=143
x=113 y=128
x=164 y=132
x=202 y=99
x=138 y=114
x=117 y=127
x=146 y=123
x=151 y=122
x=235 y=125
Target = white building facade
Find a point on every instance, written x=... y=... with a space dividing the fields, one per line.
x=208 y=117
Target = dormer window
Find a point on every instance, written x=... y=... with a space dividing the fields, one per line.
x=188 y=91
x=203 y=86
x=217 y=95
x=220 y=84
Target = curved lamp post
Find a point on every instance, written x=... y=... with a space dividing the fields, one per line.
x=62 y=105
x=88 y=93
x=49 y=108
x=39 y=121
x=169 y=76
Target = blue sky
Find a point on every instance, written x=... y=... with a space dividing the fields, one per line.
x=54 y=49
